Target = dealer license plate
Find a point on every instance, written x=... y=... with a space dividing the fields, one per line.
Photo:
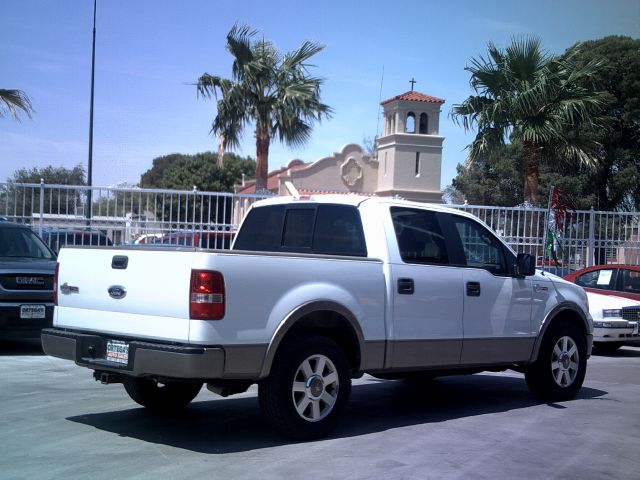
x=117 y=351
x=32 y=311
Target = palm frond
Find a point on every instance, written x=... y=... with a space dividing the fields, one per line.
x=12 y=101
x=296 y=59
x=207 y=85
x=239 y=44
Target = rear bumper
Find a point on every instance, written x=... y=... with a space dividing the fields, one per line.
x=145 y=358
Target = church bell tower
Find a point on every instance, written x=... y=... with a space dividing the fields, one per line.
x=410 y=148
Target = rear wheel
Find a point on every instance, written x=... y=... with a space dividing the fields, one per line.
x=308 y=388
x=559 y=371
x=161 y=396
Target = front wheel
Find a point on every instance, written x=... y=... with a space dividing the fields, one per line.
x=308 y=388
x=161 y=396
x=559 y=371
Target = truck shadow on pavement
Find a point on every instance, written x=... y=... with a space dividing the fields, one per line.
x=20 y=347
x=622 y=353
x=236 y=424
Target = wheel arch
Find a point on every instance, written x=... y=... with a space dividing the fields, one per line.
x=563 y=312
x=327 y=318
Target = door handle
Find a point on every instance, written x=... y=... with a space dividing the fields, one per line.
x=539 y=288
x=473 y=289
x=406 y=286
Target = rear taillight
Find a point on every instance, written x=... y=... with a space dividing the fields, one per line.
x=206 y=295
x=55 y=284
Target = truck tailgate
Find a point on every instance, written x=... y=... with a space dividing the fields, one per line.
x=149 y=298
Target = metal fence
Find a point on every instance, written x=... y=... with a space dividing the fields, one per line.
x=128 y=215
x=587 y=237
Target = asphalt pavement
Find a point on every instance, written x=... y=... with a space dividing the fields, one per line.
x=56 y=422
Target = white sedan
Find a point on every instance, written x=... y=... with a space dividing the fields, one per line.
x=615 y=321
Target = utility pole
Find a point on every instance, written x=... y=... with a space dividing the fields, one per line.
x=90 y=166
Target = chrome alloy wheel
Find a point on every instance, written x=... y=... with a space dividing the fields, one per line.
x=565 y=361
x=315 y=388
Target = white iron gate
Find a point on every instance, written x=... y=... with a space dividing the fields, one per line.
x=127 y=215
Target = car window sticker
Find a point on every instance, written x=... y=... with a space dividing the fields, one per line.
x=605 y=277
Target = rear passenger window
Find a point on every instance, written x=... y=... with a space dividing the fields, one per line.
x=481 y=248
x=419 y=236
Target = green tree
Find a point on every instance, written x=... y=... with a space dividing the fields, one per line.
x=183 y=172
x=12 y=101
x=273 y=90
x=616 y=180
x=19 y=201
x=51 y=175
x=615 y=183
x=496 y=180
x=491 y=180
x=542 y=101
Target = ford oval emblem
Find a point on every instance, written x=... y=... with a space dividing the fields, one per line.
x=117 y=292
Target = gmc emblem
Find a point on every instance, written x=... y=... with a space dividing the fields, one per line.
x=34 y=281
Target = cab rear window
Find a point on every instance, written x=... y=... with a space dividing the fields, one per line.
x=306 y=228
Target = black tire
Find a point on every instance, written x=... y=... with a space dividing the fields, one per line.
x=558 y=373
x=164 y=397
x=306 y=404
x=606 y=347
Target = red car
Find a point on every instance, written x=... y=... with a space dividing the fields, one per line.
x=206 y=239
x=619 y=280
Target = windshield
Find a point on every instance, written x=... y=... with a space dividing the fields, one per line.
x=22 y=243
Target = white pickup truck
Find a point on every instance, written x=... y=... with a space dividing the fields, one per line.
x=317 y=291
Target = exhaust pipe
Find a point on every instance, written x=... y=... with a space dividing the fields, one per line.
x=228 y=387
x=223 y=391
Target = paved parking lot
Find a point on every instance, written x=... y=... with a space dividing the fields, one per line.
x=57 y=423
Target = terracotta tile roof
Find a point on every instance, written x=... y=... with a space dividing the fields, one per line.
x=273 y=180
x=306 y=191
x=414 y=97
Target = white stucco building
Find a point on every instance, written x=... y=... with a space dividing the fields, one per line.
x=408 y=161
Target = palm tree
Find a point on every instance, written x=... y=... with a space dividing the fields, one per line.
x=524 y=94
x=272 y=90
x=13 y=100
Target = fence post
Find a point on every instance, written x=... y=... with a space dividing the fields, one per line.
x=41 y=207
x=193 y=218
x=591 y=249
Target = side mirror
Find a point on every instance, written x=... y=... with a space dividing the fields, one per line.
x=525 y=265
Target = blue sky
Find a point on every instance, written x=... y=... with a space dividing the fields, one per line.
x=148 y=51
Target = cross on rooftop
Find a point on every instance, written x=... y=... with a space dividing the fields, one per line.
x=412 y=82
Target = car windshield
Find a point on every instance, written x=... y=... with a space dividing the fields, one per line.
x=22 y=243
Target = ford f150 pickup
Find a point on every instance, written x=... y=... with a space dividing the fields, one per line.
x=317 y=291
